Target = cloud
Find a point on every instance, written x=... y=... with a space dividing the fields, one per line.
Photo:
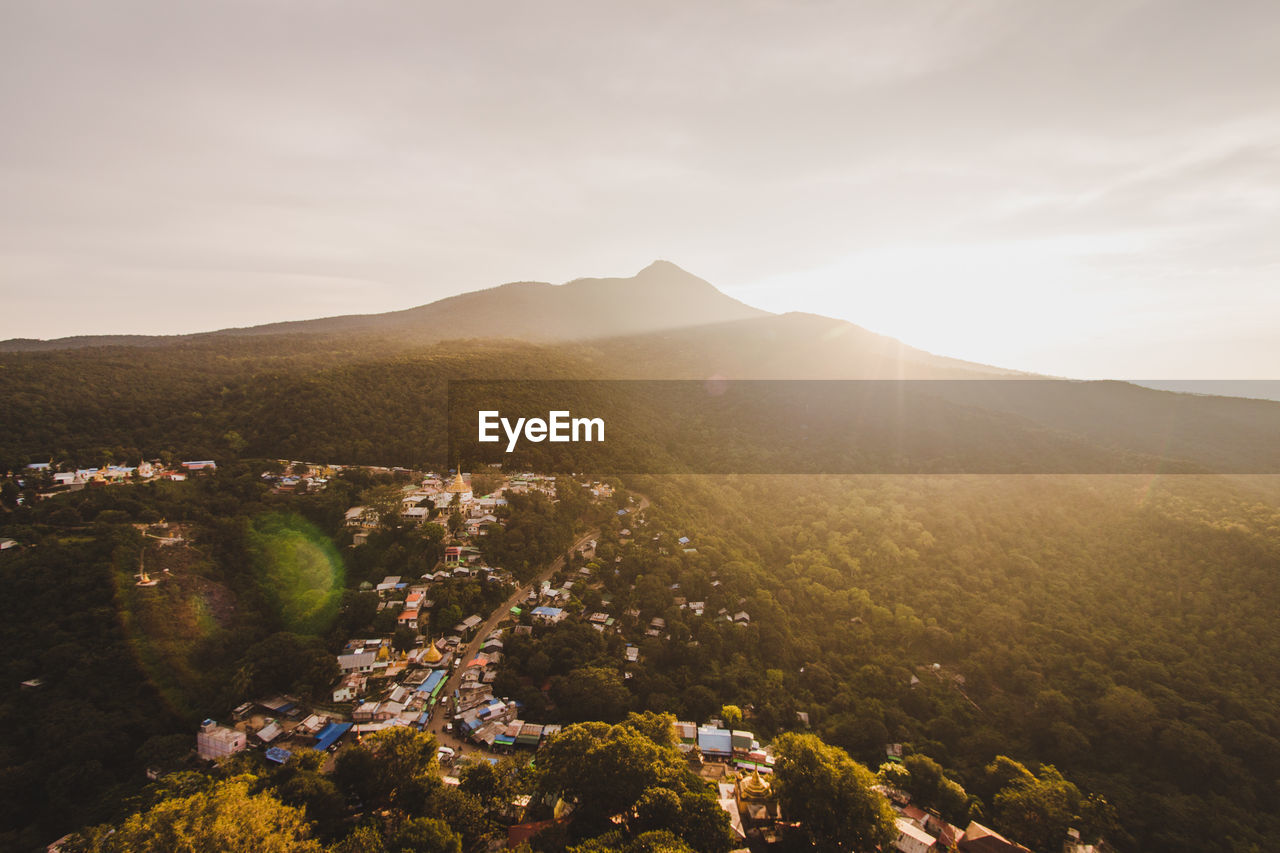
x=222 y=159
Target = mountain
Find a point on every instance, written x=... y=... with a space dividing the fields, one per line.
x=661 y=296
x=373 y=389
x=782 y=346
x=662 y=322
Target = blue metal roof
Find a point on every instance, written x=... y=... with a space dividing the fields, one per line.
x=278 y=754
x=433 y=681
x=715 y=741
x=329 y=735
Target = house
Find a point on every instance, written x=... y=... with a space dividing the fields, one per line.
x=469 y=624
x=715 y=743
x=329 y=735
x=365 y=712
x=549 y=615
x=214 y=742
x=979 y=839
x=348 y=688
x=270 y=731
x=743 y=742
x=911 y=838
x=361 y=662
x=201 y=465
x=361 y=516
x=416 y=514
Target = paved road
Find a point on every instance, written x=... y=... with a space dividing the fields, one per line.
x=439 y=715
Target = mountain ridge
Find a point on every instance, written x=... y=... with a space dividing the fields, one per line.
x=581 y=309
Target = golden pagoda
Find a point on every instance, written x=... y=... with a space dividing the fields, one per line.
x=753 y=787
x=756 y=801
x=433 y=654
x=458 y=485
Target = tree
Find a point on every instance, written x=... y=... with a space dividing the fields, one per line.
x=286 y=662
x=362 y=839
x=591 y=693
x=659 y=728
x=424 y=835
x=384 y=501
x=235 y=442
x=703 y=824
x=225 y=819
x=1037 y=809
x=606 y=769
x=731 y=715
x=929 y=786
x=389 y=766
x=404 y=639
x=318 y=797
x=830 y=795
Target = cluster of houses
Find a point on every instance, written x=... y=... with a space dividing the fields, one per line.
x=432 y=495
x=477 y=715
x=280 y=725
x=59 y=480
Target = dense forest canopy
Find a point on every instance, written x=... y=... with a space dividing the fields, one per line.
x=1120 y=629
x=369 y=401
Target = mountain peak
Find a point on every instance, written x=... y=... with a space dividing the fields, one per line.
x=662 y=266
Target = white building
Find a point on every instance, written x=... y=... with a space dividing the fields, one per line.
x=215 y=742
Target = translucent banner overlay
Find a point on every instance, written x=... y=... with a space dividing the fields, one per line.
x=1005 y=426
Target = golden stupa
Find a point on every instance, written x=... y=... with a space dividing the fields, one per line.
x=458 y=485
x=753 y=787
x=433 y=654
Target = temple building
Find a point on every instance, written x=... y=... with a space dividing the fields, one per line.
x=432 y=655
x=460 y=488
x=757 y=802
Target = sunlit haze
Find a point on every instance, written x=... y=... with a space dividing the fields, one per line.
x=1086 y=189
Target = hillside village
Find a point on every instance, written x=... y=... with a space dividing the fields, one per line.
x=442 y=679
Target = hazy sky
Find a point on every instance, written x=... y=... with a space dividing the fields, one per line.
x=1084 y=188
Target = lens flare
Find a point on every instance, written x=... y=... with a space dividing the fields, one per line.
x=297 y=570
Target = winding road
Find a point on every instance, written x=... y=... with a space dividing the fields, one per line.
x=437 y=724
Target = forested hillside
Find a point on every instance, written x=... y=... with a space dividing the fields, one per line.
x=1120 y=629
x=355 y=400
